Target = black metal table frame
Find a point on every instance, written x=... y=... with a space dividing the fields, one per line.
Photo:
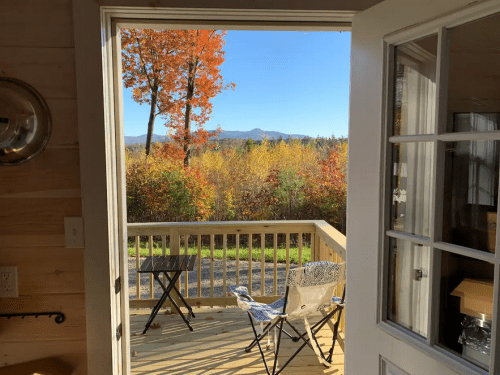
x=166 y=294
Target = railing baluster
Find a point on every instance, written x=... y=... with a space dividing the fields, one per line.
x=164 y=252
x=199 y=265
x=212 y=237
x=224 y=265
x=263 y=264
x=151 y=280
x=137 y=267
x=300 y=249
x=237 y=259
x=287 y=252
x=275 y=271
x=186 y=274
x=250 y=264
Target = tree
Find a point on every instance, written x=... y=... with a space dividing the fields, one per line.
x=151 y=62
x=199 y=81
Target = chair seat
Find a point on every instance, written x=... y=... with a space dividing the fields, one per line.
x=261 y=312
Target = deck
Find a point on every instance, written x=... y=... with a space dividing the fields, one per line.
x=216 y=346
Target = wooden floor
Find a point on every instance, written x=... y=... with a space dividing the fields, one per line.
x=216 y=346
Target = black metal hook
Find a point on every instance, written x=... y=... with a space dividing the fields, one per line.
x=59 y=316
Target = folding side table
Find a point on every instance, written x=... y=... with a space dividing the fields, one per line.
x=175 y=264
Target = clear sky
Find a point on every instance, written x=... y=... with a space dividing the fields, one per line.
x=291 y=82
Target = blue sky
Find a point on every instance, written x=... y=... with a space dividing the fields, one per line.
x=291 y=82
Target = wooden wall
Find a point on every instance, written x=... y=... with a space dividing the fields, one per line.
x=37 y=46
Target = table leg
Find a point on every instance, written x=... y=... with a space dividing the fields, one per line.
x=184 y=301
x=155 y=311
x=171 y=285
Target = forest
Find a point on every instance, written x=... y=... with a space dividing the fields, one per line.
x=239 y=180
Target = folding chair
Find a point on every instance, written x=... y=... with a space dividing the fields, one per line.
x=308 y=289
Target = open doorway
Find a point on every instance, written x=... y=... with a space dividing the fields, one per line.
x=262 y=251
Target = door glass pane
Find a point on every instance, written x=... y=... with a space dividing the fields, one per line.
x=415 y=87
x=412 y=170
x=409 y=285
x=466 y=307
x=474 y=76
x=471 y=194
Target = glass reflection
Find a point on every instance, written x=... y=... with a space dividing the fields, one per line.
x=411 y=186
x=415 y=87
x=474 y=68
x=466 y=307
x=409 y=285
x=471 y=194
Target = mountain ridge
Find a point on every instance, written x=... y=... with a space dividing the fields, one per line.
x=254 y=134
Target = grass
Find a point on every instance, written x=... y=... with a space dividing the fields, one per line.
x=230 y=253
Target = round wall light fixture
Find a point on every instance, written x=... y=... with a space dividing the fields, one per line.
x=25 y=122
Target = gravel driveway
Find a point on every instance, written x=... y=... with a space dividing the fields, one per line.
x=205 y=278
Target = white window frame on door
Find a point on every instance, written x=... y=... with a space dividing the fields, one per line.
x=428 y=345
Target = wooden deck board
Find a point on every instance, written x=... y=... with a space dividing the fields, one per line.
x=216 y=346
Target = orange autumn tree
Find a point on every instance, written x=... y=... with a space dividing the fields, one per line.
x=150 y=64
x=199 y=80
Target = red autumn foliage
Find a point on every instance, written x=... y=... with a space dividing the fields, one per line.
x=176 y=72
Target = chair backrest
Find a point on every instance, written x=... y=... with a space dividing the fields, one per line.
x=312 y=286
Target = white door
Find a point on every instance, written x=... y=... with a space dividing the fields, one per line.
x=424 y=140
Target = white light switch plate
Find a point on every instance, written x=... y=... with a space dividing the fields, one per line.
x=8 y=281
x=73 y=229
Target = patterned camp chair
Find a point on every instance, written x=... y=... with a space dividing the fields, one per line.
x=308 y=289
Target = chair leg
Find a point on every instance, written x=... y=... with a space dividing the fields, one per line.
x=335 y=334
x=257 y=340
x=265 y=332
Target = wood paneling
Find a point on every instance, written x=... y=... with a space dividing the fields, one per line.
x=38 y=48
x=48 y=24
x=39 y=240
x=43 y=328
x=70 y=352
x=49 y=270
x=20 y=216
x=53 y=169
x=51 y=71
x=64 y=123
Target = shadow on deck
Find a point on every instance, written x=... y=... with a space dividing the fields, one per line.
x=216 y=346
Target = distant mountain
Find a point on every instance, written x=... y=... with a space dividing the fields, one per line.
x=255 y=134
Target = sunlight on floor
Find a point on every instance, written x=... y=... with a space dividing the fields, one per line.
x=216 y=346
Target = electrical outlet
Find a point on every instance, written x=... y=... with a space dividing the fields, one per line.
x=8 y=281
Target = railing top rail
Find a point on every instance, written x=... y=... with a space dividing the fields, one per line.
x=332 y=237
x=222 y=227
x=256 y=223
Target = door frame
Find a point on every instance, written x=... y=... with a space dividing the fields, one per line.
x=101 y=147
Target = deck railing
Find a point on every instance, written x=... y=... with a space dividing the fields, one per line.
x=311 y=239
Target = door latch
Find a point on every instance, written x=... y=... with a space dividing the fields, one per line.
x=419 y=274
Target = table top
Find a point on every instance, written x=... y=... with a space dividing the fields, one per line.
x=168 y=263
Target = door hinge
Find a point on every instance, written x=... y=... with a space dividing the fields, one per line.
x=419 y=274
x=119 y=332
x=118 y=285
